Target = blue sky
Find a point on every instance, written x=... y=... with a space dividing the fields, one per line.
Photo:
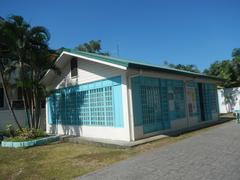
x=178 y=31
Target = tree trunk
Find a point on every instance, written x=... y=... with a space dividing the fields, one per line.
x=24 y=94
x=38 y=108
x=26 y=106
x=7 y=98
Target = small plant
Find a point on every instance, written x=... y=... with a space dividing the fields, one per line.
x=10 y=130
x=5 y=133
x=28 y=134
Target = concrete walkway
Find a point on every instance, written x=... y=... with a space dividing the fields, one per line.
x=214 y=154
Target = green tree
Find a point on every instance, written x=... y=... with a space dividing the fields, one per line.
x=236 y=52
x=227 y=69
x=190 y=67
x=93 y=46
x=29 y=57
x=236 y=64
x=222 y=69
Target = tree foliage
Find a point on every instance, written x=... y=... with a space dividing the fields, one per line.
x=26 y=57
x=93 y=46
x=229 y=70
x=190 y=67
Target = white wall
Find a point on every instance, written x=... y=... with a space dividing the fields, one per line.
x=6 y=118
x=229 y=99
x=88 y=72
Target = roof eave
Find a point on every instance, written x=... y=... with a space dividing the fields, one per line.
x=140 y=66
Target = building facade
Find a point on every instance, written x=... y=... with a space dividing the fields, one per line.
x=104 y=97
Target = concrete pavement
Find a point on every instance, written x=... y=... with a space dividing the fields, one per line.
x=211 y=155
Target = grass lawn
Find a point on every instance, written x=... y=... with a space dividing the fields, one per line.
x=68 y=160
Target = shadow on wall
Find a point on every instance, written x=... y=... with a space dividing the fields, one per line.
x=231 y=99
x=66 y=130
x=73 y=130
x=72 y=107
x=66 y=111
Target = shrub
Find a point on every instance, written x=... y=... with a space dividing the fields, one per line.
x=8 y=132
x=28 y=134
x=5 y=133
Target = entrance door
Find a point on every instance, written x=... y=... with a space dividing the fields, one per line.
x=191 y=105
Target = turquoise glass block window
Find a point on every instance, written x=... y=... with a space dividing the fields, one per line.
x=210 y=100
x=179 y=102
x=214 y=101
x=58 y=106
x=152 y=98
x=83 y=110
x=70 y=108
x=88 y=104
x=101 y=107
x=109 y=106
x=176 y=99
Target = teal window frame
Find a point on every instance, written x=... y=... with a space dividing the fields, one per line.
x=97 y=103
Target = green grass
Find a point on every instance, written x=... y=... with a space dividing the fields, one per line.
x=56 y=161
x=68 y=160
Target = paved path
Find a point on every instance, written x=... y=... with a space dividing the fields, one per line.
x=214 y=154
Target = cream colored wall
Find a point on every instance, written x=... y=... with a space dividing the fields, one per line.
x=176 y=124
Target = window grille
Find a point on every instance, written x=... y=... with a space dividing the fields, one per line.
x=151 y=107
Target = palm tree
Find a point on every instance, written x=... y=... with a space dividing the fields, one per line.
x=3 y=60
x=30 y=58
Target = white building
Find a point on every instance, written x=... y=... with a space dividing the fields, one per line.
x=104 y=97
x=229 y=99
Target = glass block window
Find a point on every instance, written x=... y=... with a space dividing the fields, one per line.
x=89 y=107
x=83 y=110
x=151 y=107
x=214 y=101
x=210 y=102
x=176 y=99
x=211 y=97
x=97 y=108
x=70 y=108
x=179 y=102
x=58 y=108
x=109 y=106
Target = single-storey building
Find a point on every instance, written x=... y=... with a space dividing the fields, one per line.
x=104 y=97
